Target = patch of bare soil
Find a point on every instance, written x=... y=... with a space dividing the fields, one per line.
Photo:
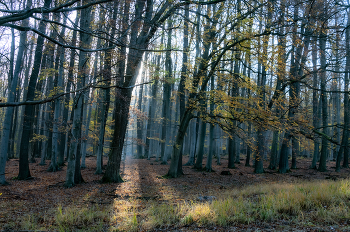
x=144 y=180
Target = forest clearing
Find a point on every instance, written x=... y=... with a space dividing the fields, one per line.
x=148 y=202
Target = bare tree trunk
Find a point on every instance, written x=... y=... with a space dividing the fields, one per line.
x=195 y=125
x=344 y=148
x=261 y=132
x=140 y=122
x=315 y=108
x=56 y=144
x=166 y=98
x=73 y=170
x=86 y=121
x=151 y=112
x=11 y=97
x=324 y=150
x=208 y=166
x=200 y=153
x=24 y=172
x=182 y=97
x=280 y=75
x=70 y=78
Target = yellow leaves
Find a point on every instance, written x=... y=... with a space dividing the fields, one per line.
x=47 y=72
x=55 y=91
x=38 y=137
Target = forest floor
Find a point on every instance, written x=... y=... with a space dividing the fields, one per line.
x=39 y=199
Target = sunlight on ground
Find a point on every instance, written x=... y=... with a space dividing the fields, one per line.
x=130 y=210
x=124 y=211
x=323 y=202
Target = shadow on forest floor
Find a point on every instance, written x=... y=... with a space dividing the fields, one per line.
x=44 y=195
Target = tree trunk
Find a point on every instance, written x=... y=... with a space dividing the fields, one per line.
x=24 y=172
x=261 y=147
x=56 y=143
x=173 y=170
x=344 y=148
x=200 y=152
x=140 y=122
x=73 y=170
x=324 y=150
x=11 y=97
x=208 y=166
x=166 y=98
x=274 y=150
x=151 y=112
x=182 y=93
x=70 y=77
x=315 y=108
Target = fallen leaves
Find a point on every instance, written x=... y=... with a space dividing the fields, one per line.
x=143 y=182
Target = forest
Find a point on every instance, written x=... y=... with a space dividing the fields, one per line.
x=246 y=91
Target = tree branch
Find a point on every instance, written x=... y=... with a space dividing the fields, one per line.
x=56 y=96
x=23 y=14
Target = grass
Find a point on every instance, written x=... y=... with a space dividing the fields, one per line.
x=84 y=219
x=309 y=203
x=324 y=202
x=72 y=218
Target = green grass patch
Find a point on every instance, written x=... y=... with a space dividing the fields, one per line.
x=85 y=219
x=315 y=203
x=324 y=202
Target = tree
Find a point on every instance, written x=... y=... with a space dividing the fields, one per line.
x=344 y=148
x=11 y=97
x=73 y=169
x=24 y=172
x=322 y=43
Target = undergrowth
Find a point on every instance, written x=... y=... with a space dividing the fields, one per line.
x=320 y=202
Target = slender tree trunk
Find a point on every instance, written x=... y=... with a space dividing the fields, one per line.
x=200 y=153
x=107 y=74
x=11 y=96
x=24 y=172
x=70 y=78
x=261 y=132
x=178 y=143
x=25 y=90
x=324 y=150
x=73 y=170
x=344 y=148
x=232 y=139
x=140 y=123
x=86 y=120
x=151 y=112
x=166 y=97
x=249 y=150
x=195 y=125
x=208 y=166
x=337 y=95
x=56 y=143
x=182 y=97
x=315 y=108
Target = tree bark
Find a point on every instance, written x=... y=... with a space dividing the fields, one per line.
x=344 y=148
x=73 y=169
x=24 y=172
x=324 y=150
x=11 y=96
x=315 y=108
x=166 y=98
x=56 y=143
